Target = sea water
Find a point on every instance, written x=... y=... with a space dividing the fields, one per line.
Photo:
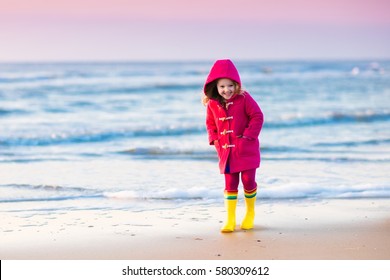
x=132 y=135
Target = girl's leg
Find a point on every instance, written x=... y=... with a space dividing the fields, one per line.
x=231 y=190
x=231 y=182
x=248 y=178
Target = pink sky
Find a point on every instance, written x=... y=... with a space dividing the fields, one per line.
x=202 y=29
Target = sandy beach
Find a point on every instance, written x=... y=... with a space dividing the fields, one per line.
x=312 y=230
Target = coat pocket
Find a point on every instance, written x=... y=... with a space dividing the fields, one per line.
x=247 y=147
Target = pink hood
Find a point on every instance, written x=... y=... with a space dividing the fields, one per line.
x=223 y=68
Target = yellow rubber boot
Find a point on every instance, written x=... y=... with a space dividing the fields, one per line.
x=250 y=202
x=231 y=205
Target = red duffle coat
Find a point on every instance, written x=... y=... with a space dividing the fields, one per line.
x=234 y=131
x=234 y=128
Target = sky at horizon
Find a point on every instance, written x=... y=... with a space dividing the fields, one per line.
x=64 y=30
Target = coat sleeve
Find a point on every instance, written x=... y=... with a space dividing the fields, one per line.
x=211 y=126
x=256 y=118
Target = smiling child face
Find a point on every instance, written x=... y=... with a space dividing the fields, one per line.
x=226 y=88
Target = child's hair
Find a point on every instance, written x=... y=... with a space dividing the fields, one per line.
x=211 y=92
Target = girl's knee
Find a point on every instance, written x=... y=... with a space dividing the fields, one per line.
x=249 y=180
x=250 y=186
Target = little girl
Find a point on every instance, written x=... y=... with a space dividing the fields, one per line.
x=234 y=121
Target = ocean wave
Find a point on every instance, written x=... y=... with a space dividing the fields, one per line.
x=99 y=84
x=303 y=191
x=93 y=137
x=328 y=119
x=370 y=142
x=271 y=188
x=25 y=77
x=166 y=151
x=268 y=153
x=147 y=88
x=167 y=194
x=331 y=158
x=31 y=193
x=6 y=112
x=90 y=136
x=146 y=153
x=268 y=191
x=170 y=151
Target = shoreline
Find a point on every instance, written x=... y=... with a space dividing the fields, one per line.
x=354 y=229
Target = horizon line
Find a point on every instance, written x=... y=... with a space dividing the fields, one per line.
x=47 y=61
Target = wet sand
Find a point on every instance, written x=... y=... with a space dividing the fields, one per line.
x=303 y=230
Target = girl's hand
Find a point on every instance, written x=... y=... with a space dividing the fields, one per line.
x=245 y=137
